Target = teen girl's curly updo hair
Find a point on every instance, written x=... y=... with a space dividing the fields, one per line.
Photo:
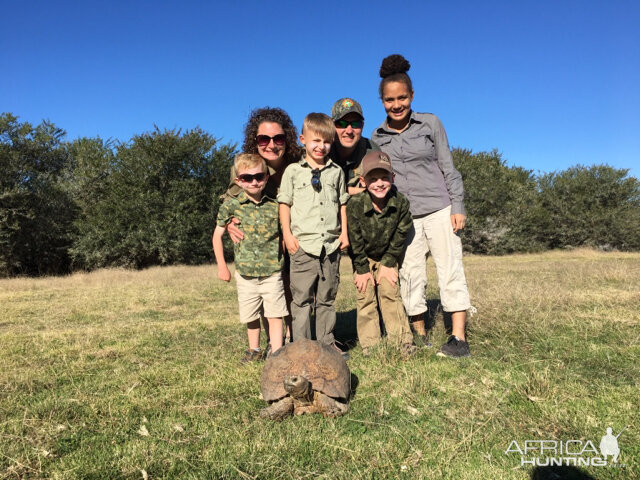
x=394 y=68
x=272 y=115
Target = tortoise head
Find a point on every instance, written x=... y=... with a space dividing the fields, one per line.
x=298 y=387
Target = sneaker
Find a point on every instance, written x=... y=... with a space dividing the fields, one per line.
x=454 y=348
x=408 y=350
x=421 y=341
x=335 y=347
x=251 y=355
x=286 y=340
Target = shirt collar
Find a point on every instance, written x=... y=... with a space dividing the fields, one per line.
x=329 y=162
x=391 y=201
x=244 y=198
x=384 y=128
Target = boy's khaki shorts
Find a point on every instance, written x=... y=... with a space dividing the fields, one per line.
x=258 y=295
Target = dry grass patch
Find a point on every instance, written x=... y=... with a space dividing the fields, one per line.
x=109 y=373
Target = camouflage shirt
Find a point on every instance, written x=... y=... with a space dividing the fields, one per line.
x=377 y=235
x=259 y=253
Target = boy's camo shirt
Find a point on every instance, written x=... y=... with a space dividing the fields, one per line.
x=379 y=236
x=259 y=253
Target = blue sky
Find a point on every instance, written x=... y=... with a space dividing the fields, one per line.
x=550 y=84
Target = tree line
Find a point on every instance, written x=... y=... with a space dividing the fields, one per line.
x=91 y=203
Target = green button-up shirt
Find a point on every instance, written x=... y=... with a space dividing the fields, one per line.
x=377 y=235
x=315 y=216
x=259 y=253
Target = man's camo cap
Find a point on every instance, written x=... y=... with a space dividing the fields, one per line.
x=345 y=106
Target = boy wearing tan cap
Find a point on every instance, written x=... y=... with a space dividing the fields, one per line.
x=379 y=221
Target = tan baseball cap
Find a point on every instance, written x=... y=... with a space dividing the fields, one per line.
x=376 y=161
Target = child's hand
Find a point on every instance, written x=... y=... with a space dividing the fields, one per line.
x=223 y=273
x=344 y=240
x=361 y=281
x=234 y=232
x=391 y=274
x=291 y=243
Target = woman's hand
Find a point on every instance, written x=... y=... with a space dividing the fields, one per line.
x=391 y=274
x=361 y=281
x=458 y=221
x=234 y=232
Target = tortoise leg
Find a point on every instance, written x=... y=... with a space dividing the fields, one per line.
x=278 y=410
x=328 y=406
x=301 y=408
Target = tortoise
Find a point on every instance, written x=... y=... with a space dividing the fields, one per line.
x=305 y=377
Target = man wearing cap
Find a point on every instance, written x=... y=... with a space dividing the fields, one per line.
x=379 y=221
x=349 y=145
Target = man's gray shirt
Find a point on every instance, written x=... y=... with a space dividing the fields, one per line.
x=423 y=164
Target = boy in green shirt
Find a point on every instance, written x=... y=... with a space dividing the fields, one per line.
x=258 y=258
x=379 y=221
x=313 y=215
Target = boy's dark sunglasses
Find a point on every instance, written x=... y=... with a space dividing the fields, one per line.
x=315 y=180
x=345 y=124
x=248 y=177
x=264 y=140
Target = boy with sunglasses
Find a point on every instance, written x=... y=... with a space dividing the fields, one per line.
x=258 y=257
x=379 y=222
x=349 y=146
x=313 y=215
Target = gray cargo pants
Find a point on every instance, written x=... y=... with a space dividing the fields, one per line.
x=314 y=278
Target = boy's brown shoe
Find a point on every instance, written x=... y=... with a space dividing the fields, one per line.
x=251 y=355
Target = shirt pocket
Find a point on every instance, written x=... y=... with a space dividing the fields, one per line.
x=330 y=188
x=302 y=194
x=418 y=148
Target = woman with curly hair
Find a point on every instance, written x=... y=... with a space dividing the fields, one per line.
x=425 y=174
x=270 y=133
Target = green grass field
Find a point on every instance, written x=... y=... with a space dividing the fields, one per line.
x=125 y=374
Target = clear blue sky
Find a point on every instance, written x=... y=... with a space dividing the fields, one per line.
x=550 y=84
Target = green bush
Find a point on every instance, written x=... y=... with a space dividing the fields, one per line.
x=502 y=205
x=150 y=202
x=597 y=206
x=36 y=213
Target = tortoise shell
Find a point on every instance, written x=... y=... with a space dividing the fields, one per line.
x=322 y=365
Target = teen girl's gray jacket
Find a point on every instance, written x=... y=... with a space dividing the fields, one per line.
x=423 y=164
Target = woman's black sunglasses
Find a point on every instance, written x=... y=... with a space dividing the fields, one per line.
x=264 y=140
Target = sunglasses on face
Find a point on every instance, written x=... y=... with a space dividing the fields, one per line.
x=248 y=177
x=345 y=124
x=264 y=140
x=315 y=180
